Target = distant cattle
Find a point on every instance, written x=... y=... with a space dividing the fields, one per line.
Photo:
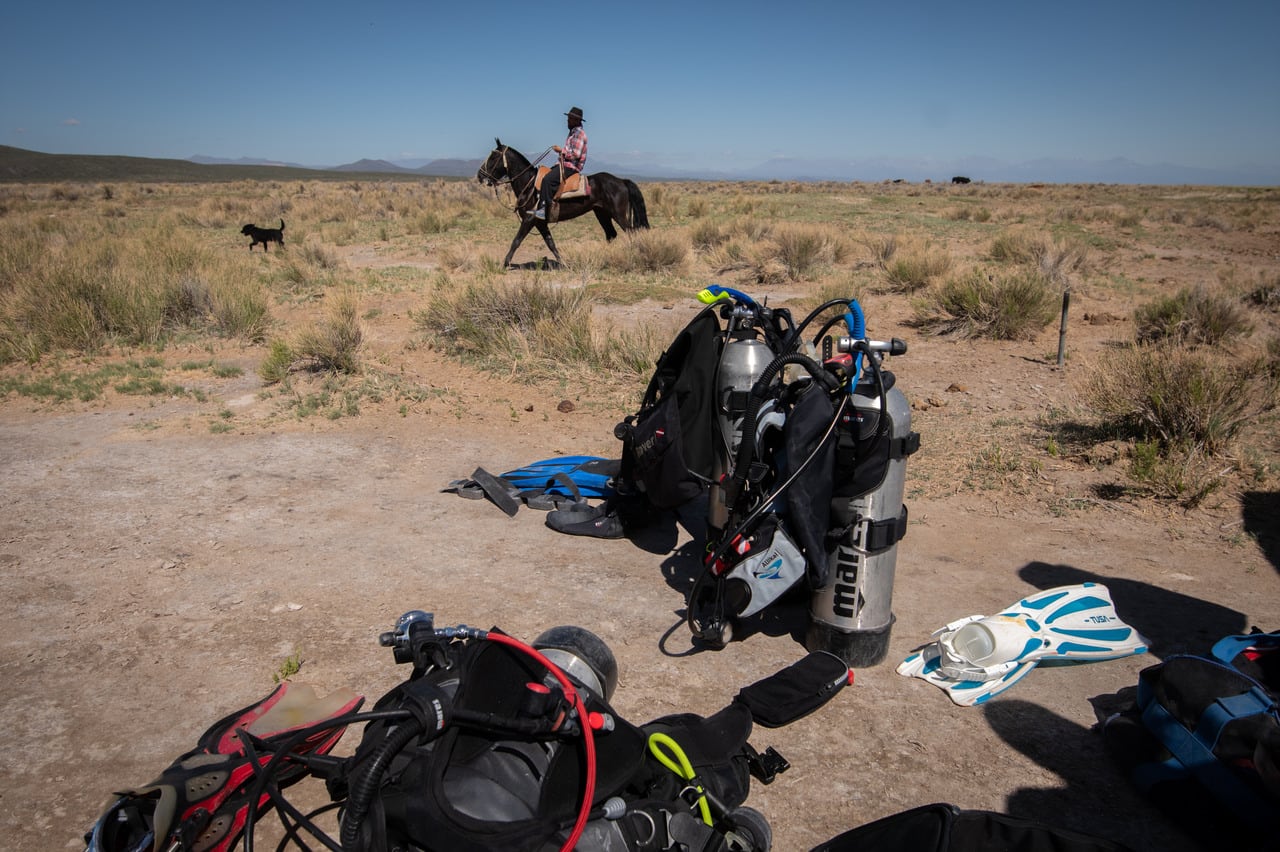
x=960 y=179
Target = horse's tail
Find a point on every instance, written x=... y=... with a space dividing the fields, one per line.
x=639 y=216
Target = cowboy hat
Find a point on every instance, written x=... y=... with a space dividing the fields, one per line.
x=575 y=112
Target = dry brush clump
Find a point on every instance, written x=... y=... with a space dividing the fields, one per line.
x=1058 y=259
x=646 y=251
x=1182 y=408
x=995 y=305
x=803 y=249
x=329 y=345
x=914 y=265
x=533 y=329
x=1194 y=316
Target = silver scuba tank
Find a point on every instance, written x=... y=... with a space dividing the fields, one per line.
x=742 y=361
x=851 y=616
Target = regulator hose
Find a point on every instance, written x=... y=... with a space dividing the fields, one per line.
x=366 y=786
x=747 y=446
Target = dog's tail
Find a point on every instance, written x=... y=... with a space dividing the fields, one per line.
x=282 y=224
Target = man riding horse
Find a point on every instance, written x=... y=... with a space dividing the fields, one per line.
x=573 y=160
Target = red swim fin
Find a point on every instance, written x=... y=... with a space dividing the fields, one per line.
x=203 y=797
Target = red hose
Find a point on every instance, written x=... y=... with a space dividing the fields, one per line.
x=588 y=738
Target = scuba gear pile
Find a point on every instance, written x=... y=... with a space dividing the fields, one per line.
x=978 y=657
x=489 y=745
x=801 y=457
x=805 y=466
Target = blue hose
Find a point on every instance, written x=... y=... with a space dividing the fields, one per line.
x=856 y=323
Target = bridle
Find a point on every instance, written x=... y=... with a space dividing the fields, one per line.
x=509 y=179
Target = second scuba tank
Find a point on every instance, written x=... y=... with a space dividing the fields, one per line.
x=851 y=616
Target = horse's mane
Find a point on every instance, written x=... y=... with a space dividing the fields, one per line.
x=521 y=161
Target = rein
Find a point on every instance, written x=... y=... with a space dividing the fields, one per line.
x=509 y=179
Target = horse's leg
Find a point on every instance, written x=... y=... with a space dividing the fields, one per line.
x=606 y=222
x=526 y=223
x=546 y=238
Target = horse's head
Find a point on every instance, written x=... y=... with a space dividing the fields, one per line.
x=494 y=169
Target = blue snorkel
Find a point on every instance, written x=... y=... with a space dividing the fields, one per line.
x=856 y=323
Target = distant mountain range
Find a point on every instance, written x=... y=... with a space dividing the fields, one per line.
x=1117 y=170
x=17 y=164
x=430 y=168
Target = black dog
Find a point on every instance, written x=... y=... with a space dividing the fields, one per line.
x=264 y=235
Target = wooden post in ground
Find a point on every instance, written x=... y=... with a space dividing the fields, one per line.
x=1062 y=329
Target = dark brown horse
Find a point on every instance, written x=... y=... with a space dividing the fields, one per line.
x=612 y=199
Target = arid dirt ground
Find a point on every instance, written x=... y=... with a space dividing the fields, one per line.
x=156 y=574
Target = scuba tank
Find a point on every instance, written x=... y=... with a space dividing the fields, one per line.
x=851 y=615
x=742 y=361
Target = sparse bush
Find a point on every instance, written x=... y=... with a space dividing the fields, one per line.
x=431 y=222
x=1056 y=259
x=318 y=255
x=913 y=270
x=275 y=367
x=1179 y=396
x=1016 y=306
x=647 y=251
x=706 y=234
x=1192 y=316
x=331 y=345
x=1267 y=293
x=239 y=309
x=545 y=330
x=970 y=214
x=1181 y=473
x=800 y=250
x=883 y=249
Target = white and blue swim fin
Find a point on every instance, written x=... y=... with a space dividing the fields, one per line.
x=976 y=658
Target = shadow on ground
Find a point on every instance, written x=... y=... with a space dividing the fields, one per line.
x=1173 y=623
x=1097 y=798
x=1261 y=511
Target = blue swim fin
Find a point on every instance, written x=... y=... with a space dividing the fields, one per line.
x=978 y=657
x=546 y=484
x=583 y=477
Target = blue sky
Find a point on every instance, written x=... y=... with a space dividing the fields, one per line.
x=684 y=85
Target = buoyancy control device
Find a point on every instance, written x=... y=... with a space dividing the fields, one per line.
x=490 y=745
x=807 y=474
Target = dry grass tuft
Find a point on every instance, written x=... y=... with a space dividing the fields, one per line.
x=995 y=306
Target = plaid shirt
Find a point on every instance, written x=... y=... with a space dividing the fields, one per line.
x=573 y=154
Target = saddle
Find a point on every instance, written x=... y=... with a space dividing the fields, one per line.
x=574 y=186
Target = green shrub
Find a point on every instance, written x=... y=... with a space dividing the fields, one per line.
x=275 y=367
x=1192 y=316
x=1179 y=396
x=1014 y=306
x=333 y=344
